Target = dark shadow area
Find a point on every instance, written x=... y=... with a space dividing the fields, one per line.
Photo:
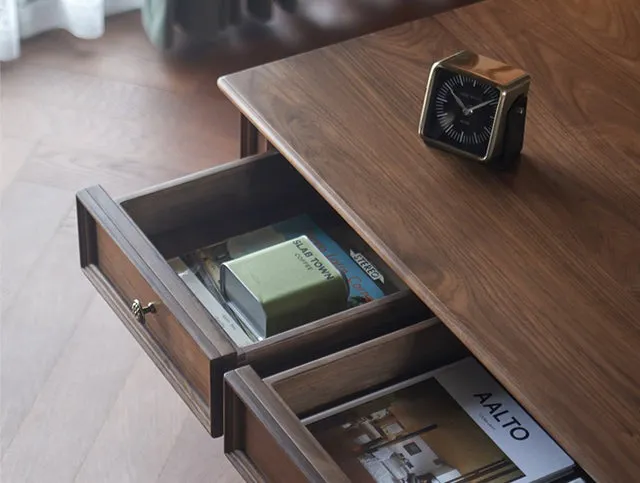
x=314 y=24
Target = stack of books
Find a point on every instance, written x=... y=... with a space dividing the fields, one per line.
x=279 y=277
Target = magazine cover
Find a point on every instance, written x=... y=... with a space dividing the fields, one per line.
x=454 y=425
x=366 y=283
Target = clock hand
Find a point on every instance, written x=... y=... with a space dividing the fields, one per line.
x=482 y=104
x=458 y=101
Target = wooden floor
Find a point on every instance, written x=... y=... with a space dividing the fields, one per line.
x=79 y=400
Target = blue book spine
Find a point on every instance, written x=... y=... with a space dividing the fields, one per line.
x=361 y=286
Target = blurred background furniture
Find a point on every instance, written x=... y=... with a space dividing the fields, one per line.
x=168 y=22
x=203 y=19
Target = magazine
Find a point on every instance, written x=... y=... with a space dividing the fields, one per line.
x=452 y=425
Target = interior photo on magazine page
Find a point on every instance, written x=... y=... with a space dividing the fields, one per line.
x=439 y=428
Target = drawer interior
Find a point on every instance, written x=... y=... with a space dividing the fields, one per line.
x=264 y=418
x=214 y=205
x=211 y=207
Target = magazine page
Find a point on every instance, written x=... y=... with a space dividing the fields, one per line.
x=432 y=429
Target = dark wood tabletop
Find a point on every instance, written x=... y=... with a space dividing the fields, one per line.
x=538 y=271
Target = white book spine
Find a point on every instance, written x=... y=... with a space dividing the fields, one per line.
x=226 y=321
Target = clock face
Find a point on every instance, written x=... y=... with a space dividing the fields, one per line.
x=461 y=112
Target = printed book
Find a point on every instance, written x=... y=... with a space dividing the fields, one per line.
x=239 y=332
x=452 y=425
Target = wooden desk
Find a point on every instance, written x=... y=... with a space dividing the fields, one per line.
x=538 y=273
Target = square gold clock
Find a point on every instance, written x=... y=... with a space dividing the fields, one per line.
x=476 y=107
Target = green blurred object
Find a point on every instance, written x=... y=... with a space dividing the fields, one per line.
x=283 y=286
x=157 y=20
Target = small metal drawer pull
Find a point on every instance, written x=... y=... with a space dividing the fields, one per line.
x=139 y=311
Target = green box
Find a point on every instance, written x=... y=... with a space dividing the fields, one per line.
x=283 y=286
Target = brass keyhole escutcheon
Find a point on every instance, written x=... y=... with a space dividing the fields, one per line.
x=139 y=311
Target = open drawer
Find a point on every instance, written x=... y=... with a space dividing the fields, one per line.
x=393 y=407
x=265 y=437
x=125 y=246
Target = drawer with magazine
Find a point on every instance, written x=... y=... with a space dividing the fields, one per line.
x=410 y=406
x=239 y=264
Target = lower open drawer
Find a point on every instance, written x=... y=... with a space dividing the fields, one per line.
x=265 y=437
x=411 y=406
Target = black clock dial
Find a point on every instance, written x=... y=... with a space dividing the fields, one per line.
x=461 y=112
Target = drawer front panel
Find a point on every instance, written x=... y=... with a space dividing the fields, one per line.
x=155 y=352
x=162 y=325
x=124 y=265
x=262 y=448
x=265 y=440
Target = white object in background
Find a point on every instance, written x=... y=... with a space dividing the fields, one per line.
x=21 y=19
x=9 y=42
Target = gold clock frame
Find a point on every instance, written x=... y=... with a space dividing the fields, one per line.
x=510 y=81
